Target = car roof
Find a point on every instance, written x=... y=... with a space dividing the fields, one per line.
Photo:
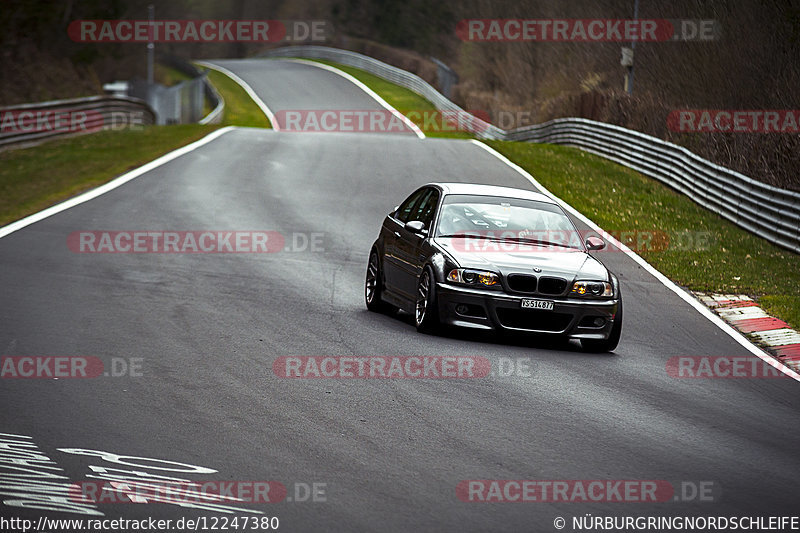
x=490 y=190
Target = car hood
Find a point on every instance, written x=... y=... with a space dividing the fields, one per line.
x=560 y=262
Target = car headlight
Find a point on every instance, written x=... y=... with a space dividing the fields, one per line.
x=597 y=289
x=475 y=278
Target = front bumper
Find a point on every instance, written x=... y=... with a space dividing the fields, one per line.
x=494 y=310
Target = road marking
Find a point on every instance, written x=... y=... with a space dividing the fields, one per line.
x=143 y=487
x=34 y=481
x=249 y=90
x=778 y=337
x=685 y=296
x=111 y=185
x=775 y=333
x=407 y=121
x=741 y=313
x=790 y=352
x=749 y=325
x=728 y=300
x=141 y=462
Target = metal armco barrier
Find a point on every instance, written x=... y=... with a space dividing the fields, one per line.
x=183 y=103
x=769 y=212
x=31 y=123
x=395 y=75
x=215 y=117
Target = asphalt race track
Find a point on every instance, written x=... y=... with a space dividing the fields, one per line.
x=205 y=330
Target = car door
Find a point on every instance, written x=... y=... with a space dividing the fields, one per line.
x=411 y=246
x=392 y=232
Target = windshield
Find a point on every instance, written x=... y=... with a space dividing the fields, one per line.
x=504 y=218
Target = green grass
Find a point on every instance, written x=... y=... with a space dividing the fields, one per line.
x=692 y=246
x=240 y=109
x=32 y=179
x=169 y=76
x=406 y=102
x=732 y=260
x=727 y=260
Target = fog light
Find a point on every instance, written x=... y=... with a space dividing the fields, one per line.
x=599 y=322
x=462 y=309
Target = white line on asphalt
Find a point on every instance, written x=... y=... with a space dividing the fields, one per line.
x=249 y=90
x=111 y=185
x=413 y=127
x=688 y=298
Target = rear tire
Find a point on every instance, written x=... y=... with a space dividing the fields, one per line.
x=609 y=344
x=426 y=308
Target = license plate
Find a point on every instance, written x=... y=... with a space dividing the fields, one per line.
x=546 y=305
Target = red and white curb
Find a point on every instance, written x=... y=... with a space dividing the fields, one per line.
x=745 y=315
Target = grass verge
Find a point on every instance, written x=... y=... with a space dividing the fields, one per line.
x=695 y=248
x=407 y=102
x=169 y=76
x=34 y=178
x=705 y=252
x=240 y=109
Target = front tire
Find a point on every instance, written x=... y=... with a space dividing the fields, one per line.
x=426 y=312
x=609 y=344
x=373 y=285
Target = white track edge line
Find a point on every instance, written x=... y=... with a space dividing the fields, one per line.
x=249 y=90
x=688 y=298
x=407 y=121
x=111 y=185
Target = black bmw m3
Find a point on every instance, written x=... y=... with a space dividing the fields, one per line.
x=493 y=258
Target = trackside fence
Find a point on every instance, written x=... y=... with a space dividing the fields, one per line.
x=27 y=124
x=769 y=212
x=32 y=123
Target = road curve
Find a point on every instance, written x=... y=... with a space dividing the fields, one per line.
x=391 y=453
x=294 y=86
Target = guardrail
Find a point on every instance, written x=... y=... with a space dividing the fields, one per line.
x=395 y=75
x=210 y=93
x=769 y=212
x=215 y=116
x=32 y=123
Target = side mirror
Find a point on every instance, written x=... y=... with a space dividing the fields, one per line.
x=415 y=226
x=595 y=243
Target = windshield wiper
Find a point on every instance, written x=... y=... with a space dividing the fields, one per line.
x=467 y=235
x=511 y=239
x=533 y=241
